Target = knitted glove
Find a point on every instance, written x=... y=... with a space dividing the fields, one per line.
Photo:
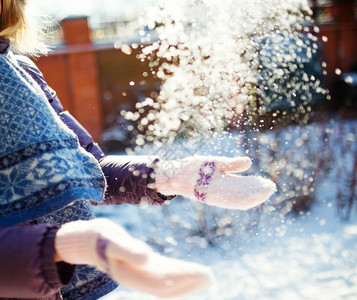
x=210 y=180
x=127 y=260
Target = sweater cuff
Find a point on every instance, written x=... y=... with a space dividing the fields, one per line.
x=56 y=274
x=151 y=191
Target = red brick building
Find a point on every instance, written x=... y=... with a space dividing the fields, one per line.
x=339 y=26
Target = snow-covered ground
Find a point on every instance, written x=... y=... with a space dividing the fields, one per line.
x=315 y=259
x=312 y=256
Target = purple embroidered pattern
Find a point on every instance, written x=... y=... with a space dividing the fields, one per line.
x=101 y=248
x=206 y=172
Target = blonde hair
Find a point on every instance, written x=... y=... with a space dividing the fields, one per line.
x=17 y=23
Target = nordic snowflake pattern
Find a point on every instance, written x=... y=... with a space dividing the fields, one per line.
x=44 y=173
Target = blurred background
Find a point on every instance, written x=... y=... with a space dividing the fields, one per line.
x=97 y=71
x=97 y=43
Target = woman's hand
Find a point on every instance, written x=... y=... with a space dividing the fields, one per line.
x=210 y=180
x=127 y=260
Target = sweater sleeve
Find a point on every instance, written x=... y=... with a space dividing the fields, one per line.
x=120 y=171
x=130 y=180
x=27 y=262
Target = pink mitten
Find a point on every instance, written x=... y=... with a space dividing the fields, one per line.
x=108 y=247
x=210 y=180
x=163 y=276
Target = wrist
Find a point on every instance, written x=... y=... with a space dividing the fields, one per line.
x=57 y=257
x=72 y=243
x=174 y=177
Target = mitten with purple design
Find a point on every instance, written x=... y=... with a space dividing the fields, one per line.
x=211 y=180
x=127 y=260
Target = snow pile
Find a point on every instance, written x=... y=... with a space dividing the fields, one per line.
x=316 y=259
x=266 y=253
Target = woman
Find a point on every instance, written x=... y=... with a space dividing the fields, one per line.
x=51 y=172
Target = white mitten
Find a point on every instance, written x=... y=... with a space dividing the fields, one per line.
x=127 y=260
x=210 y=180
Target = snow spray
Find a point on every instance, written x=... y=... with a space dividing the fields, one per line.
x=219 y=59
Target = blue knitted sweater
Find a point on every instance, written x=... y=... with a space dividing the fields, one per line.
x=45 y=175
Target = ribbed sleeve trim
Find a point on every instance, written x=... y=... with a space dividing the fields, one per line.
x=54 y=275
x=155 y=196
